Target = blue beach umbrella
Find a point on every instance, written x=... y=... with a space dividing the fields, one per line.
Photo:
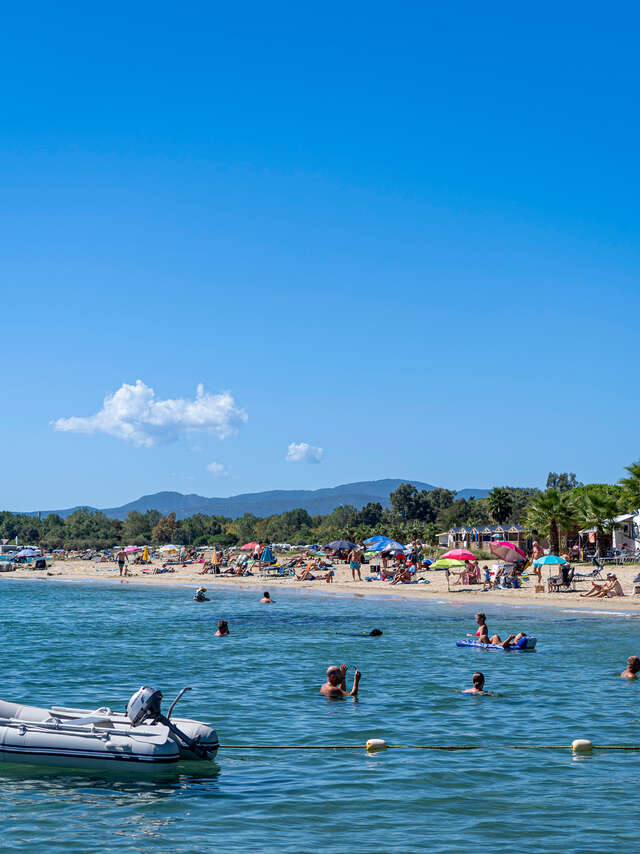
x=549 y=560
x=387 y=546
x=377 y=539
x=26 y=553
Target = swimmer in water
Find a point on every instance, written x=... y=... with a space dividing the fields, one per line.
x=335 y=687
x=478 y=685
x=266 y=599
x=200 y=597
x=375 y=633
x=632 y=668
x=483 y=632
x=223 y=629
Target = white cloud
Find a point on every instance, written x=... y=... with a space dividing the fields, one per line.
x=218 y=470
x=134 y=414
x=301 y=452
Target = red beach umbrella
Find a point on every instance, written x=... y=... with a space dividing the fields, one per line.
x=250 y=545
x=506 y=551
x=458 y=554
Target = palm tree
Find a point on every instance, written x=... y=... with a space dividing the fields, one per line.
x=632 y=486
x=500 y=503
x=551 y=512
x=597 y=510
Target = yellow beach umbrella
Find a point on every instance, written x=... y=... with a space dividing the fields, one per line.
x=145 y=554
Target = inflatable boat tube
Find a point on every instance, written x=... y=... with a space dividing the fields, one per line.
x=79 y=738
x=523 y=645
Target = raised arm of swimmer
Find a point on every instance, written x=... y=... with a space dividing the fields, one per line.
x=335 y=686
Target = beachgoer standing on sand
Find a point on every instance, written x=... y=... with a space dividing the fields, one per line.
x=354 y=562
x=632 y=668
x=478 y=684
x=335 y=687
x=122 y=559
x=266 y=599
x=216 y=557
x=536 y=552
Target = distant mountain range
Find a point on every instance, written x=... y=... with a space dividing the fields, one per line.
x=315 y=501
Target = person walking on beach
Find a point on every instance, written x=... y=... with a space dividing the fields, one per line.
x=335 y=687
x=354 y=562
x=122 y=559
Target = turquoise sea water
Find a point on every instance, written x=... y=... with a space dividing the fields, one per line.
x=95 y=644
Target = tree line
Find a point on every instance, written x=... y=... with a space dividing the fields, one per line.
x=562 y=508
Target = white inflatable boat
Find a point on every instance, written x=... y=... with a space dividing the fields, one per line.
x=79 y=738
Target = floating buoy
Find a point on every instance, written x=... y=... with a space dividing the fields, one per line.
x=581 y=745
x=375 y=744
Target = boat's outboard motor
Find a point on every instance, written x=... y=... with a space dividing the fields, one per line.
x=144 y=705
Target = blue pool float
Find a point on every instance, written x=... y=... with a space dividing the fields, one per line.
x=523 y=645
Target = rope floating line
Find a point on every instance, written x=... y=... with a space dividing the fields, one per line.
x=376 y=744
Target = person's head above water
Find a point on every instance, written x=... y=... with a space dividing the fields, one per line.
x=333 y=674
x=375 y=633
x=481 y=619
x=223 y=627
x=633 y=664
x=265 y=595
x=478 y=681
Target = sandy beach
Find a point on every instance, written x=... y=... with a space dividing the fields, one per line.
x=436 y=589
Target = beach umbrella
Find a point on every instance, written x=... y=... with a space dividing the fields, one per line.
x=25 y=553
x=387 y=545
x=145 y=554
x=377 y=539
x=458 y=554
x=249 y=545
x=341 y=544
x=446 y=563
x=130 y=549
x=549 y=560
x=267 y=555
x=506 y=551
x=169 y=548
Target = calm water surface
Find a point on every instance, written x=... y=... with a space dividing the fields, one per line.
x=96 y=644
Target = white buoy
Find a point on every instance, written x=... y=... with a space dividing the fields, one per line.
x=375 y=744
x=581 y=745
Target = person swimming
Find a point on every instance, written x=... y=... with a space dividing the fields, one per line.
x=632 y=668
x=335 y=687
x=223 y=629
x=199 y=595
x=266 y=599
x=477 y=681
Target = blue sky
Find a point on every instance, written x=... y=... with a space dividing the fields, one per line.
x=405 y=235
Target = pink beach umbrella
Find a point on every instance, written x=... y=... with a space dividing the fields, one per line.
x=458 y=554
x=506 y=551
x=130 y=549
